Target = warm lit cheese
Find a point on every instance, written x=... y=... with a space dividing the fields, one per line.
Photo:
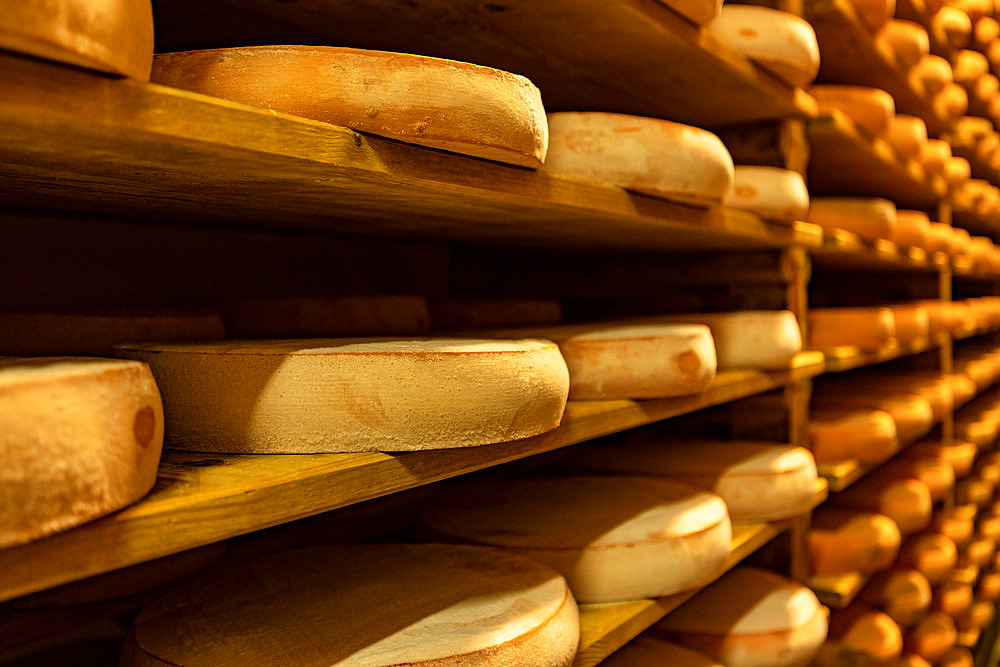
x=869 y=328
x=932 y=72
x=952 y=27
x=304 y=317
x=959 y=454
x=770 y=192
x=343 y=394
x=875 y=12
x=780 y=41
x=952 y=598
x=847 y=541
x=905 y=501
x=114 y=36
x=365 y=605
x=957 y=172
x=759 y=481
x=936 y=473
x=908 y=39
x=957 y=656
x=912 y=413
x=871 y=108
x=445 y=104
x=952 y=102
x=613 y=538
x=860 y=635
x=977 y=617
x=986 y=87
x=939 y=234
x=911 y=322
x=978 y=552
x=912 y=660
x=905 y=595
x=868 y=217
x=988 y=587
x=969 y=65
x=647 y=155
x=907 y=134
x=975 y=491
x=932 y=554
x=838 y=434
x=79 y=439
x=650 y=651
x=932 y=637
x=751 y=618
x=985 y=31
x=934 y=157
x=955 y=523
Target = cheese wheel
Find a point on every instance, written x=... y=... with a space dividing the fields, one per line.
x=907 y=134
x=869 y=328
x=939 y=234
x=95 y=334
x=985 y=31
x=978 y=552
x=613 y=538
x=912 y=413
x=951 y=26
x=751 y=618
x=957 y=172
x=933 y=73
x=871 y=108
x=649 y=651
x=846 y=541
x=860 y=635
x=838 y=434
x=905 y=595
x=955 y=523
x=415 y=604
x=913 y=661
x=975 y=8
x=759 y=481
x=648 y=155
x=770 y=192
x=482 y=313
x=989 y=526
x=932 y=554
x=970 y=129
x=868 y=217
x=959 y=454
x=782 y=42
x=79 y=439
x=905 y=501
x=875 y=13
x=938 y=316
x=933 y=387
x=956 y=656
x=911 y=322
x=343 y=394
x=988 y=586
x=305 y=317
x=969 y=65
x=932 y=637
x=444 y=104
x=934 y=157
x=952 y=102
x=952 y=598
x=908 y=39
x=114 y=37
x=986 y=87
x=993 y=55
x=936 y=473
x=974 y=491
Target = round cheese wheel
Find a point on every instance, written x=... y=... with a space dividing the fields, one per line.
x=908 y=39
x=959 y=454
x=780 y=41
x=871 y=108
x=847 y=541
x=933 y=387
x=939 y=234
x=905 y=501
x=869 y=328
x=952 y=102
x=952 y=598
x=751 y=618
x=613 y=538
x=955 y=524
x=648 y=155
x=414 y=604
x=875 y=13
x=970 y=129
x=305 y=317
x=974 y=491
x=649 y=651
x=956 y=656
x=988 y=586
x=957 y=172
x=912 y=413
x=932 y=554
x=933 y=156
x=868 y=217
x=838 y=434
x=96 y=334
x=951 y=26
x=978 y=552
x=860 y=635
x=912 y=323
x=993 y=54
x=969 y=65
x=445 y=104
x=342 y=394
x=913 y=660
x=905 y=595
x=932 y=637
x=989 y=526
x=759 y=481
x=907 y=134
x=770 y=192
x=975 y=8
x=985 y=31
x=114 y=37
x=79 y=439
x=933 y=73
x=963 y=387
x=936 y=473
x=938 y=316
x=986 y=87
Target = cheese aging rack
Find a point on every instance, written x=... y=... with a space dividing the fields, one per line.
x=120 y=194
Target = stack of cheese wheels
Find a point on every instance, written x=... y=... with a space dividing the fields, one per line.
x=871 y=108
x=956 y=523
x=932 y=386
x=932 y=637
x=907 y=134
x=648 y=155
x=315 y=316
x=953 y=103
x=908 y=39
x=905 y=595
x=869 y=217
x=985 y=30
x=632 y=360
x=750 y=618
x=978 y=552
x=651 y=651
x=759 y=481
x=839 y=433
x=782 y=42
x=365 y=605
x=453 y=106
x=114 y=37
x=958 y=171
x=952 y=598
x=969 y=65
x=613 y=538
x=912 y=322
x=875 y=13
x=905 y=501
x=951 y=27
x=770 y=192
x=937 y=474
x=963 y=387
x=934 y=157
x=96 y=334
x=912 y=413
x=912 y=228
x=939 y=236
x=79 y=439
x=848 y=541
x=932 y=73
x=932 y=554
x=868 y=328
x=959 y=454
x=860 y=634
x=339 y=395
x=481 y=313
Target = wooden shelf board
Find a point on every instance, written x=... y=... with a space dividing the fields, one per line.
x=846 y=160
x=838 y=590
x=82 y=142
x=636 y=51
x=849 y=357
x=846 y=250
x=203 y=498
x=850 y=53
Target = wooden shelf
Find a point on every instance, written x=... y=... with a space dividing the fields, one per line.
x=849 y=357
x=203 y=498
x=850 y=53
x=81 y=142
x=846 y=250
x=639 y=56
x=838 y=590
x=913 y=10
x=847 y=160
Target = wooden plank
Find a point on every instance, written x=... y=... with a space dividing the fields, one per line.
x=846 y=160
x=849 y=53
x=203 y=498
x=845 y=250
x=639 y=54
x=849 y=357
x=82 y=142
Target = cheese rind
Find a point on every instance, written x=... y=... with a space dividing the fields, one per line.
x=784 y=43
x=770 y=192
x=875 y=13
x=905 y=595
x=908 y=39
x=905 y=501
x=932 y=554
x=932 y=637
x=337 y=394
x=866 y=635
x=838 y=434
x=871 y=108
x=868 y=217
x=933 y=73
x=848 y=541
x=907 y=134
x=444 y=104
x=868 y=328
x=79 y=439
